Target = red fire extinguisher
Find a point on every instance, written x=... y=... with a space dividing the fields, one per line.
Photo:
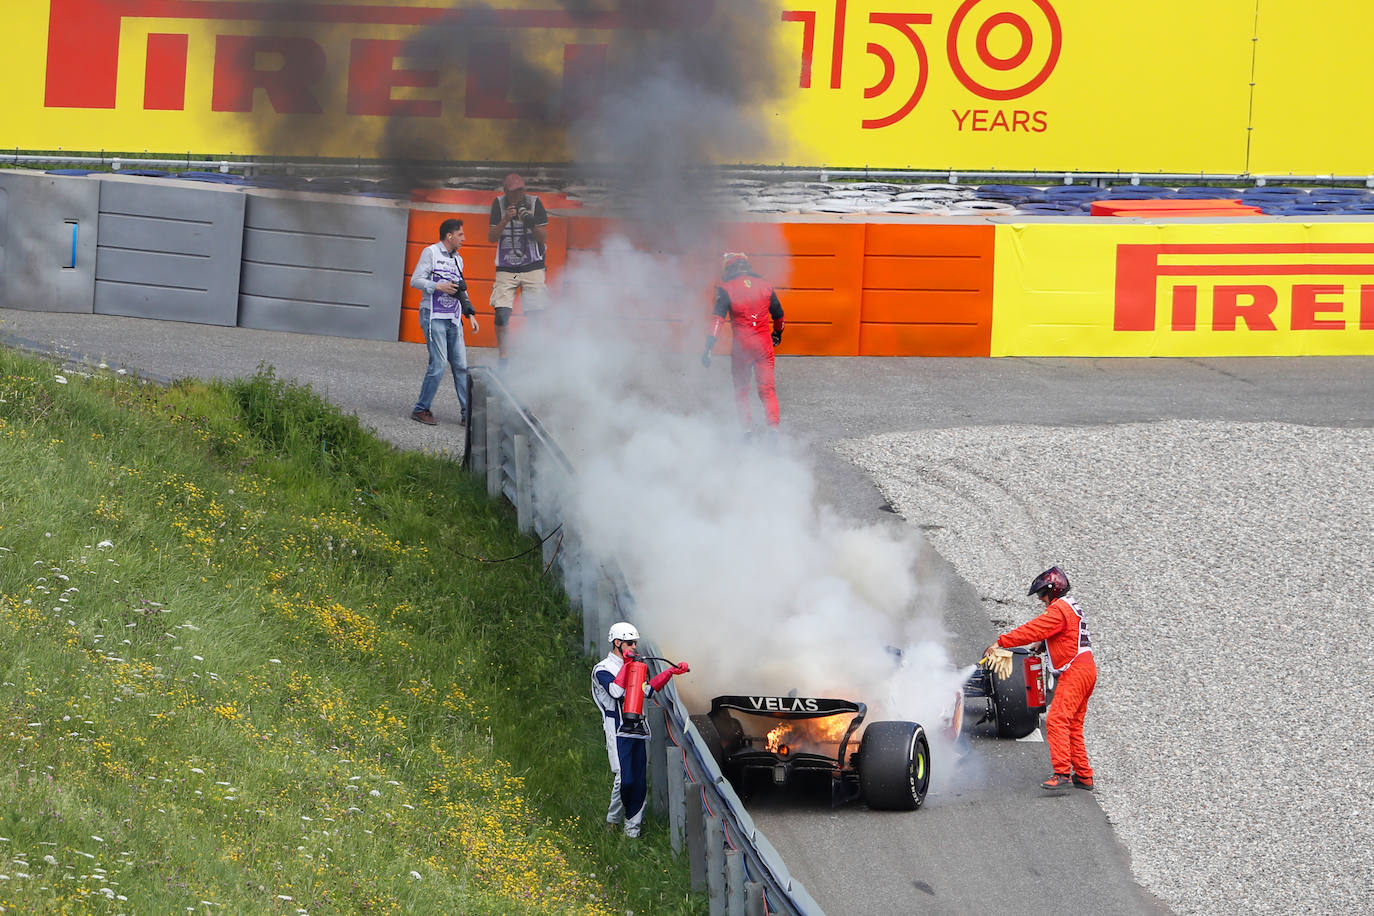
x=635 y=681
x=1035 y=681
x=632 y=678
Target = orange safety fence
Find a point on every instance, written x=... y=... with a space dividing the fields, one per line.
x=849 y=288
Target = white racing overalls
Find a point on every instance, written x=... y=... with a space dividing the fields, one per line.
x=629 y=754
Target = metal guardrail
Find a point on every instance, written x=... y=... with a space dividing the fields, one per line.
x=555 y=171
x=729 y=856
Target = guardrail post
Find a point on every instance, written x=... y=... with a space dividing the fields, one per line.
x=658 y=758
x=677 y=789
x=753 y=899
x=493 y=439
x=696 y=838
x=734 y=882
x=477 y=417
x=715 y=865
x=524 y=500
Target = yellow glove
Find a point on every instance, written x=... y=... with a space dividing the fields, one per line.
x=998 y=661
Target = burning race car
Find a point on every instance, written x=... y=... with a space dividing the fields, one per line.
x=782 y=740
x=779 y=740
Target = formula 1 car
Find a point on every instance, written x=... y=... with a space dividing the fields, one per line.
x=782 y=739
x=1007 y=708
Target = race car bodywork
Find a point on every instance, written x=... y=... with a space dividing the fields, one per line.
x=814 y=737
x=1011 y=707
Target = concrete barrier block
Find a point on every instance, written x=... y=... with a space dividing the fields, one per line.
x=47 y=241
x=319 y=266
x=169 y=250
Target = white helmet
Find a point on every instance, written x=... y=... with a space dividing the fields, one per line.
x=624 y=631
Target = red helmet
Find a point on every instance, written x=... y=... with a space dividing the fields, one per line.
x=1052 y=581
x=732 y=264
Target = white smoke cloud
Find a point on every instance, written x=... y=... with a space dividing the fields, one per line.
x=735 y=563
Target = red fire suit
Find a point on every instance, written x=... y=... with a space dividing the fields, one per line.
x=1065 y=633
x=755 y=316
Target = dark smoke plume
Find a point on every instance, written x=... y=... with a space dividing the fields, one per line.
x=676 y=87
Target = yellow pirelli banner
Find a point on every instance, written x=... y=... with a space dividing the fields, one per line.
x=1223 y=289
x=1225 y=86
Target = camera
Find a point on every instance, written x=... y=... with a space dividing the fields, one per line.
x=526 y=216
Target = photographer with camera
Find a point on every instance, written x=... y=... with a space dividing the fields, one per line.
x=520 y=229
x=439 y=276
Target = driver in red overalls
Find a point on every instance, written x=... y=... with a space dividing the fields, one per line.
x=755 y=315
x=1065 y=633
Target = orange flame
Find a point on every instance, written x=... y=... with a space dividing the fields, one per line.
x=811 y=733
x=776 y=735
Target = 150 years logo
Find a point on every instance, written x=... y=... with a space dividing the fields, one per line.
x=998 y=50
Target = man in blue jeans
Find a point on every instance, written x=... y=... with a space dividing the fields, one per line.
x=439 y=277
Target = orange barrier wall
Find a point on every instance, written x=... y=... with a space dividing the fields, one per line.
x=849 y=288
x=479 y=266
x=927 y=290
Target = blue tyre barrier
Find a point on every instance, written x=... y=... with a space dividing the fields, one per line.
x=70 y=171
x=1009 y=192
x=1074 y=192
x=1329 y=203
x=1353 y=193
x=1274 y=192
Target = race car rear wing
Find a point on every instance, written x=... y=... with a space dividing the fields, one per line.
x=788 y=707
x=798 y=708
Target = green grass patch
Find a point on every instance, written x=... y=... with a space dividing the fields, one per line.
x=245 y=668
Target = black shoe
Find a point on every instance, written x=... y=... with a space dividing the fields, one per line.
x=1057 y=781
x=1085 y=784
x=424 y=416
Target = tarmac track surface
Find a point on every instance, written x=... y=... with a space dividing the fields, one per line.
x=991 y=841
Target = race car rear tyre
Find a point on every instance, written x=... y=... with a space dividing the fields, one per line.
x=707 y=729
x=1015 y=717
x=894 y=766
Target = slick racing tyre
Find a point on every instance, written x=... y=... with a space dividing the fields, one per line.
x=1015 y=717
x=894 y=766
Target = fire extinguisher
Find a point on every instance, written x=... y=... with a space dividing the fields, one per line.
x=1035 y=681
x=634 y=680
x=633 y=675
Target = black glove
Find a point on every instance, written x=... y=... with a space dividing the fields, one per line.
x=777 y=338
x=706 y=354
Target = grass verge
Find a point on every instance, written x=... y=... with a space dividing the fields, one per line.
x=246 y=668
